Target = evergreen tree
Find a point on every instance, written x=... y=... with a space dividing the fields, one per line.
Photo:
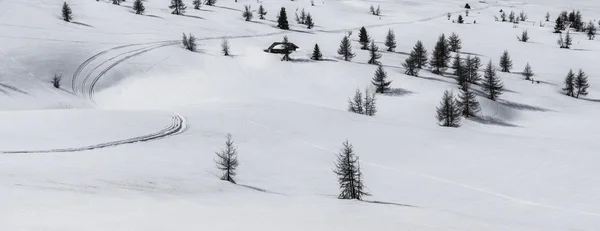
x=505 y=62
x=56 y=81
x=547 y=16
x=356 y=104
x=116 y=2
x=524 y=37
x=467 y=101
x=528 y=72
x=197 y=4
x=503 y=16
x=225 y=47
x=345 y=49
x=440 y=56
x=210 y=2
x=559 y=25
x=363 y=38
x=448 y=113
x=261 y=12
x=374 y=53
x=138 y=7
x=67 y=14
x=189 y=42
x=380 y=81
x=178 y=7
x=454 y=42
x=578 y=23
x=570 y=84
x=372 y=10
x=472 y=65
x=511 y=16
x=591 y=30
x=411 y=65
x=420 y=55
x=303 y=17
x=247 y=14
x=457 y=65
x=316 y=55
x=460 y=19
x=309 y=21
x=370 y=105
x=348 y=173
x=227 y=160
x=491 y=84
x=282 y=21
x=523 y=16
x=568 y=40
x=581 y=84
x=390 y=40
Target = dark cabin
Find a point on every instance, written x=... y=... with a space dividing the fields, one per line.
x=281 y=48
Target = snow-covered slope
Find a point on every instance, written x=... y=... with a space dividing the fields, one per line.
x=529 y=163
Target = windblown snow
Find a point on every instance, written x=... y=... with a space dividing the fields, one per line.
x=128 y=141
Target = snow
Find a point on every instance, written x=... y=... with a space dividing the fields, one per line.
x=529 y=164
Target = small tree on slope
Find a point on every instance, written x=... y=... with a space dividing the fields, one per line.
x=197 y=4
x=370 y=107
x=374 y=54
x=227 y=160
x=247 y=14
x=591 y=30
x=420 y=55
x=454 y=42
x=345 y=49
x=356 y=104
x=448 y=113
x=528 y=72
x=138 y=7
x=178 y=7
x=491 y=84
x=581 y=84
x=225 y=47
x=210 y=2
x=282 y=21
x=309 y=22
x=363 y=38
x=570 y=84
x=467 y=101
x=410 y=65
x=348 y=173
x=316 y=55
x=440 y=56
x=505 y=62
x=390 y=40
x=472 y=65
x=261 y=12
x=380 y=80
x=67 y=14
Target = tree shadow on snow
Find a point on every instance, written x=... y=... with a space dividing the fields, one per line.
x=389 y=203
x=591 y=100
x=12 y=88
x=398 y=92
x=155 y=16
x=434 y=79
x=491 y=121
x=193 y=16
x=520 y=106
x=259 y=189
x=82 y=24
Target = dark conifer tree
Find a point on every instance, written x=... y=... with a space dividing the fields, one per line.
x=503 y=16
x=581 y=84
x=197 y=4
x=138 y=7
x=491 y=84
x=467 y=101
x=348 y=173
x=568 y=40
x=448 y=113
x=178 y=7
x=67 y=14
x=505 y=62
x=116 y=2
x=345 y=49
x=189 y=42
x=410 y=65
x=227 y=160
x=528 y=72
x=420 y=55
x=460 y=19
x=511 y=16
x=390 y=40
x=374 y=54
x=454 y=43
x=56 y=81
x=524 y=36
x=261 y=12
x=458 y=65
x=559 y=25
x=547 y=16
x=472 y=65
x=309 y=21
x=364 y=38
x=570 y=84
x=440 y=56
x=356 y=104
x=316 y=55
x=247 y=14
x=282 y=21
x=380 y=81
x=210 y=2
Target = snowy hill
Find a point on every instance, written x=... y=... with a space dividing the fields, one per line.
x=128 y=141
